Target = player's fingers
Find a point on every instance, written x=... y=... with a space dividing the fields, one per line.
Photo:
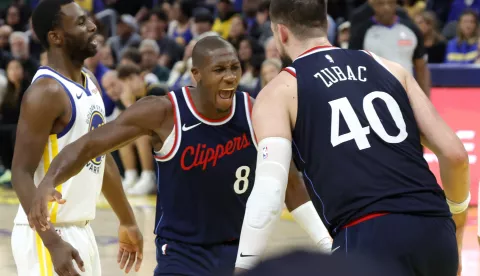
x=58 y=197
x=62 y=271
x=37 y=215
x=78 y=260
x=131 y=261
x=124 y=259
x=72 y=271
x=119 y=255
x=139 y=261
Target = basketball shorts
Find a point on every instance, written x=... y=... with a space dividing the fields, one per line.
x=177 y=258
x=33 y=258
x=410 y=245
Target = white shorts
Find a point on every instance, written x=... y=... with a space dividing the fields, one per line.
x=33 y=259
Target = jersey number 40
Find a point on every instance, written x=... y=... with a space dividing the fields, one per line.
x=357 y=132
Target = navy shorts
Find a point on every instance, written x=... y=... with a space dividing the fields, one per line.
x=414 y=245
x=177 y=258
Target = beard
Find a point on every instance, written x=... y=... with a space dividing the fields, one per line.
x=286 y=60
x=78 y=50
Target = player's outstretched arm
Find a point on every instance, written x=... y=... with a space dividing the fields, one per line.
x=272 y=125
x=140 y=119
x=301 y=207
x=129 y=236
x=42 y=105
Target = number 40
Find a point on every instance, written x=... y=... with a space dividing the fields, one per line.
x=359 y=133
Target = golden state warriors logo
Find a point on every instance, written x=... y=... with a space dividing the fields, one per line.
x=95 y=120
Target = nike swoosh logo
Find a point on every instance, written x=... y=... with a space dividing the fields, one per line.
x=242 y=255
x=335 y=249
x=79 y=96
x=185 y=128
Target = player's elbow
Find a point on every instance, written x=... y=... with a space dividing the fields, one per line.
x=456 y=156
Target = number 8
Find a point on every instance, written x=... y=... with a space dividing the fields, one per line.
x=242 y=174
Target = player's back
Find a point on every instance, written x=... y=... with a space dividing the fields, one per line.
x=206 y=170
x=356 y=140
x=82 y=190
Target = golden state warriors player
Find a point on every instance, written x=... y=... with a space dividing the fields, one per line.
x=205 y=151
x=357 y=123
x=62 y=104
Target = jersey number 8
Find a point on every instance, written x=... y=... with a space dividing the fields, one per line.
x=359 y=133
x=241 y=184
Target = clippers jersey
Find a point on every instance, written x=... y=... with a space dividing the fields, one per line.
x=356 y=140
x=206 y=171
x=82 y=190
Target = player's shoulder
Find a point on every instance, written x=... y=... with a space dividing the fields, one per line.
x=283 y=86
x=45 y=88
x=394 y=68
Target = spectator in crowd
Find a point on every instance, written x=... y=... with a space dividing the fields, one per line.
x=251 y=56
x=113 y=89
x=150 y=53
x=5 y=32
x=170 y=51
x=463 y=48
x=10 y=110
x=262 y=29
x=180 y=75
x=133 y=56
x=180 y=29
x=270 y=69
x=238 y=30
x=126 y=35
x=203 y=22
x=19 y=46
x=271 y=50
x=223 y=22
x=106 y=57
x=14 y=18
x=133 y=89
x=457 y=8
x=343 y=35
x=434 y=42
x=395 y=39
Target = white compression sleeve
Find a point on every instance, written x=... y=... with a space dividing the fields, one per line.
x=265 y=203
x=308 y=218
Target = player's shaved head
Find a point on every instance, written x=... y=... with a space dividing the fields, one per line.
x=204 y=49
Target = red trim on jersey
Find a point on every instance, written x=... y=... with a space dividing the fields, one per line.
x=316 y=48
x=203 y=117
x=286 y=69
x=364 y=218
x=250 y=111
x=177 y=129
x=368 y=53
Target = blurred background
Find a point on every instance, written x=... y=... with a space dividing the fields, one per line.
x=145 y=49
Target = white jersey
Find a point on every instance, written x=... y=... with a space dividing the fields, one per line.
x=82 y=190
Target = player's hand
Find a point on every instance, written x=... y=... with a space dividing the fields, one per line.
x=239 y=271
x=62 y=254
x=130 y=241
x=38 y=216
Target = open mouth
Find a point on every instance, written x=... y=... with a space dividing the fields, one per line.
x=226 y=93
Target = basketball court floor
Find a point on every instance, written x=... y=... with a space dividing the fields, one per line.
x=286 y=237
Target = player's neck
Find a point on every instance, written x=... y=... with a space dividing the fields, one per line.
x=203 y=105
x=299 y=47
x=66 y=66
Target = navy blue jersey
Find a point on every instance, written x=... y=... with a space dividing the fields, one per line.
x=205 y=179
x=356 y=140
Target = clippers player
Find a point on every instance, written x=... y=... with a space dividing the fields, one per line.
x=62 y=104
x=357 y=123
x=205 y=150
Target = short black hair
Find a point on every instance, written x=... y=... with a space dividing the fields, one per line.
x=205 y=46
x=187 y=7
x=158 y=12
x=124 y=71
x=305 y=18
x=46 y=17
x=132 y=54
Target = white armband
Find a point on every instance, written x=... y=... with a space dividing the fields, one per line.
x=308 y=218
x=265 y=203
x=457 y=208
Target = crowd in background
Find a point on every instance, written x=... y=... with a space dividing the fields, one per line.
x=145 y=46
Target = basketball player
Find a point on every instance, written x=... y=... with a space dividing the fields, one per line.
x=205 y=151
x=357 y=123
x=63 y=103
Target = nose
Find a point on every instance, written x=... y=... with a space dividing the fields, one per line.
x=91 y=26
x=230 y=77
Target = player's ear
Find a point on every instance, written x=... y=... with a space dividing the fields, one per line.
x=283 y=33
x=55 y=38
x=196 y=74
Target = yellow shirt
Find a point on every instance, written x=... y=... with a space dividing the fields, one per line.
x=222 y=27
x=85 y=4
